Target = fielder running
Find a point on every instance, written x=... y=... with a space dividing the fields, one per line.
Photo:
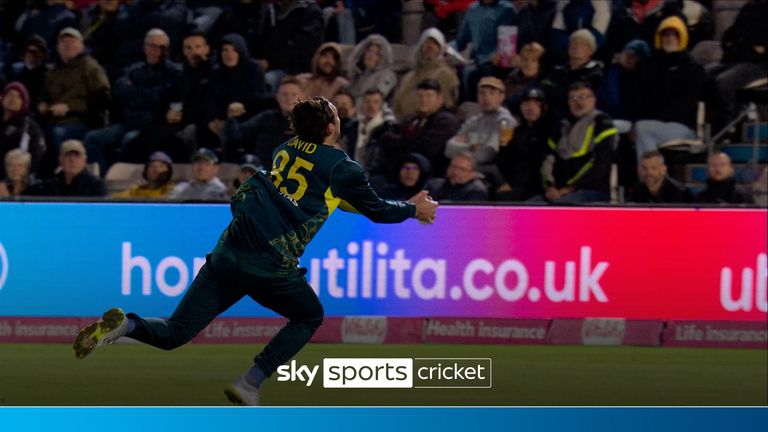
x=274 y=216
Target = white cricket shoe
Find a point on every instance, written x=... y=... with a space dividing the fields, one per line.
x=242 y=393
x=112 y=325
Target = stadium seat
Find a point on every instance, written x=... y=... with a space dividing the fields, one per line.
x=707 y=52
x=696 y=145
x=121 y=176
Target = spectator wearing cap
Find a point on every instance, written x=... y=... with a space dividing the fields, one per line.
x=721 y=183
x=412 y=175
x=479 y=28
x=158 y=172
x=579 y=67
x=481 y=135
x=32 y=69
x=670 y=83
x=426 y=131
x=462 y=182
x=249 y=165
x=73 y=179
x=140 y=97
x=261 y=134
x=619 y=94
x=204 y=184
x=526 y=76
x=578 y=166
x=520 y=161
x=17 y=128
x=428 y=63
x=75 y=95
x=655 y=185
x=18 y=180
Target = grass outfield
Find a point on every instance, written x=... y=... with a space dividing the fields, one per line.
x=126 y=374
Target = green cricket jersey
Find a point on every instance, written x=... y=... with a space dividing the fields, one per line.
x=275 y=215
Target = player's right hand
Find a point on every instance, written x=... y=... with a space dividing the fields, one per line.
x=426 y=207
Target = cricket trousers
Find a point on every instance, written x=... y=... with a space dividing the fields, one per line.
x=219 y=285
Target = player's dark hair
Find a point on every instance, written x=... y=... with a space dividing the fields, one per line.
x=310 y=119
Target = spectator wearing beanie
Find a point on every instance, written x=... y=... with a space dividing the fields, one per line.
x=17 y=128
x=158 y=172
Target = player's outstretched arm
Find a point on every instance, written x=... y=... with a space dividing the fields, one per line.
x=349 y=183
x=426 y=207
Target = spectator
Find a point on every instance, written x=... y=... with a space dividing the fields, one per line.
x=481 y=135
x=579 y=67
x=249 y=165
x=374 y=122
x=480 y=29
x=525 y=77
x=370 y=66
x=17 y=129
x=185 y=125
x=158 y=172
x=204 y=184
x=287 y=45
x=721 y=183
x=237 y=83
x=639 y=19
x=73 y=180
x=261 y=134
x=520 y=161
x=461 y=183
x=413 y=173
x=445 y=15
x=326 y=79
x=17 y=180
x=745 y=56
x=98 y=23
x=535 y=21
x=427 y=131
x=593 y=16
x=578 y=167
x=345 y=106
x=376 y=17
x=31 y=71
x=670 y=83
x=428 y=63
x=141 y=15
x=619 y=95
x=76 y=91
x=655 y=185
x=140 y=97
x=45 y=19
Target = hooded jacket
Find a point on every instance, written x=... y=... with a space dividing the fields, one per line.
x=317 y=85
x=671 y=83
x=20 y=131
x=397 y=190
x=381 y=76
x=405 y=100
x=243 y=83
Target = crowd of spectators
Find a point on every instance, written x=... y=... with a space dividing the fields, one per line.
x=87 y=84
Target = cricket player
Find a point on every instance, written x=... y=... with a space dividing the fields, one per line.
x=274 y=216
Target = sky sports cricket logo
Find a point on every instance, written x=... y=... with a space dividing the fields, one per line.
x=393 y=373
